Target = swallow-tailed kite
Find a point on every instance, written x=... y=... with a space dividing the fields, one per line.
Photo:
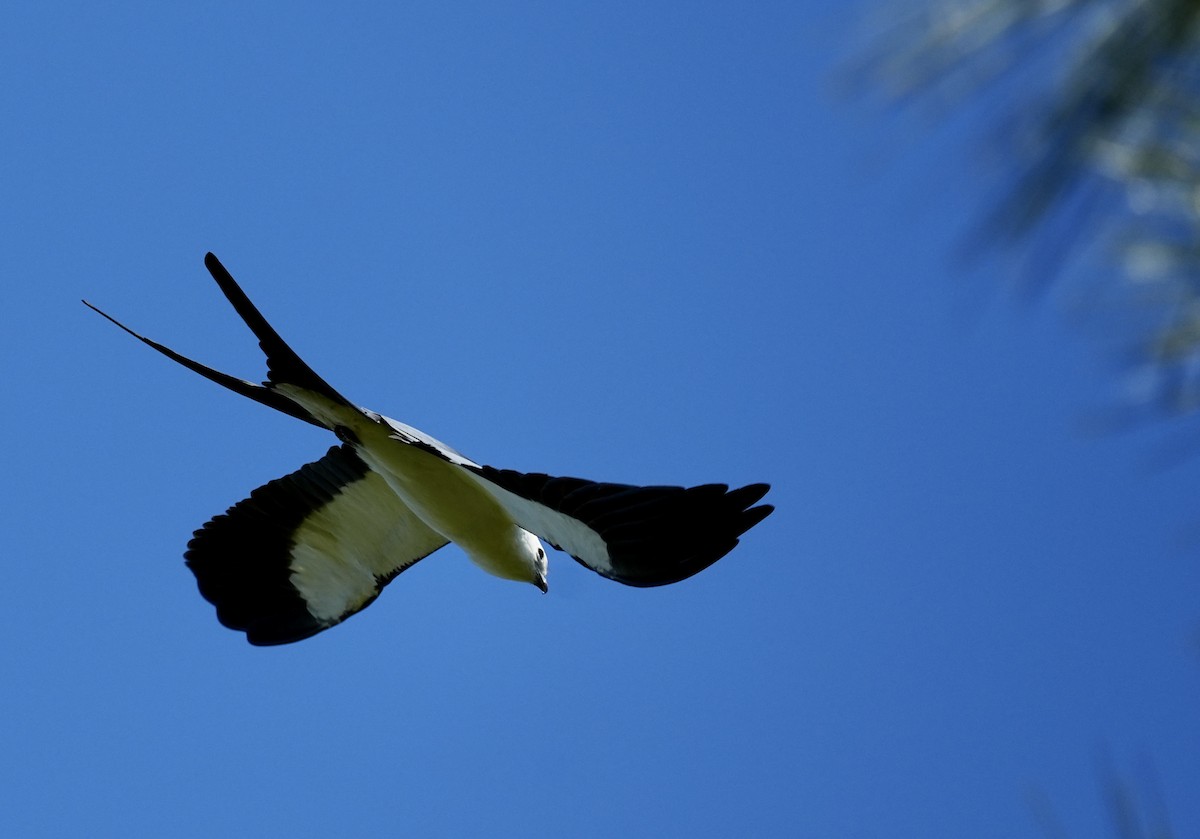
x=308 y=550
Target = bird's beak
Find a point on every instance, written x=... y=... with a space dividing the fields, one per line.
x=540 y=582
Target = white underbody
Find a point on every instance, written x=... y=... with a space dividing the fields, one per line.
x=446 y=497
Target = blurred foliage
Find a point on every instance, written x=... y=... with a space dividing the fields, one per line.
x=1095 y=110
x=1134 y=809
x=1132 y=816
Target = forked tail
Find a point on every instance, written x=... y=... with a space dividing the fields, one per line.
x=283 y=365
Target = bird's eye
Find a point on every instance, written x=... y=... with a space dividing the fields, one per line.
x=541 y=554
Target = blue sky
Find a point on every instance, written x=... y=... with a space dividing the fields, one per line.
x=628 y=243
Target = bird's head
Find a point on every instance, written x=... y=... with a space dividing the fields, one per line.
x=539 y=562
x=520 y=557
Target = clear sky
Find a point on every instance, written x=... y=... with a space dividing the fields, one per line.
x=627 y=241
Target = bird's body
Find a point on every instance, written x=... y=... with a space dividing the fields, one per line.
x=306 y=551
x=446 y=497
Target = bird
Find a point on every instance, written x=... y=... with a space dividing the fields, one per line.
x=306 y=551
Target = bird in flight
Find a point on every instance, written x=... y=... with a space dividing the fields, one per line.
x=308 y=550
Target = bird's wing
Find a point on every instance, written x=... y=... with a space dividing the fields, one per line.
x=639 y=536
x=308 y=550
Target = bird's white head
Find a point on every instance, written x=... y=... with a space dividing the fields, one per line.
x=519 y=557
x=537 y=555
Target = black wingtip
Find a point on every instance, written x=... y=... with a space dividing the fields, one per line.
x=749 y=494
x=695 y=526
x=755 y=515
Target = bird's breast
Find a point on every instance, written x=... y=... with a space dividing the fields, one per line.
x=450 y=501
